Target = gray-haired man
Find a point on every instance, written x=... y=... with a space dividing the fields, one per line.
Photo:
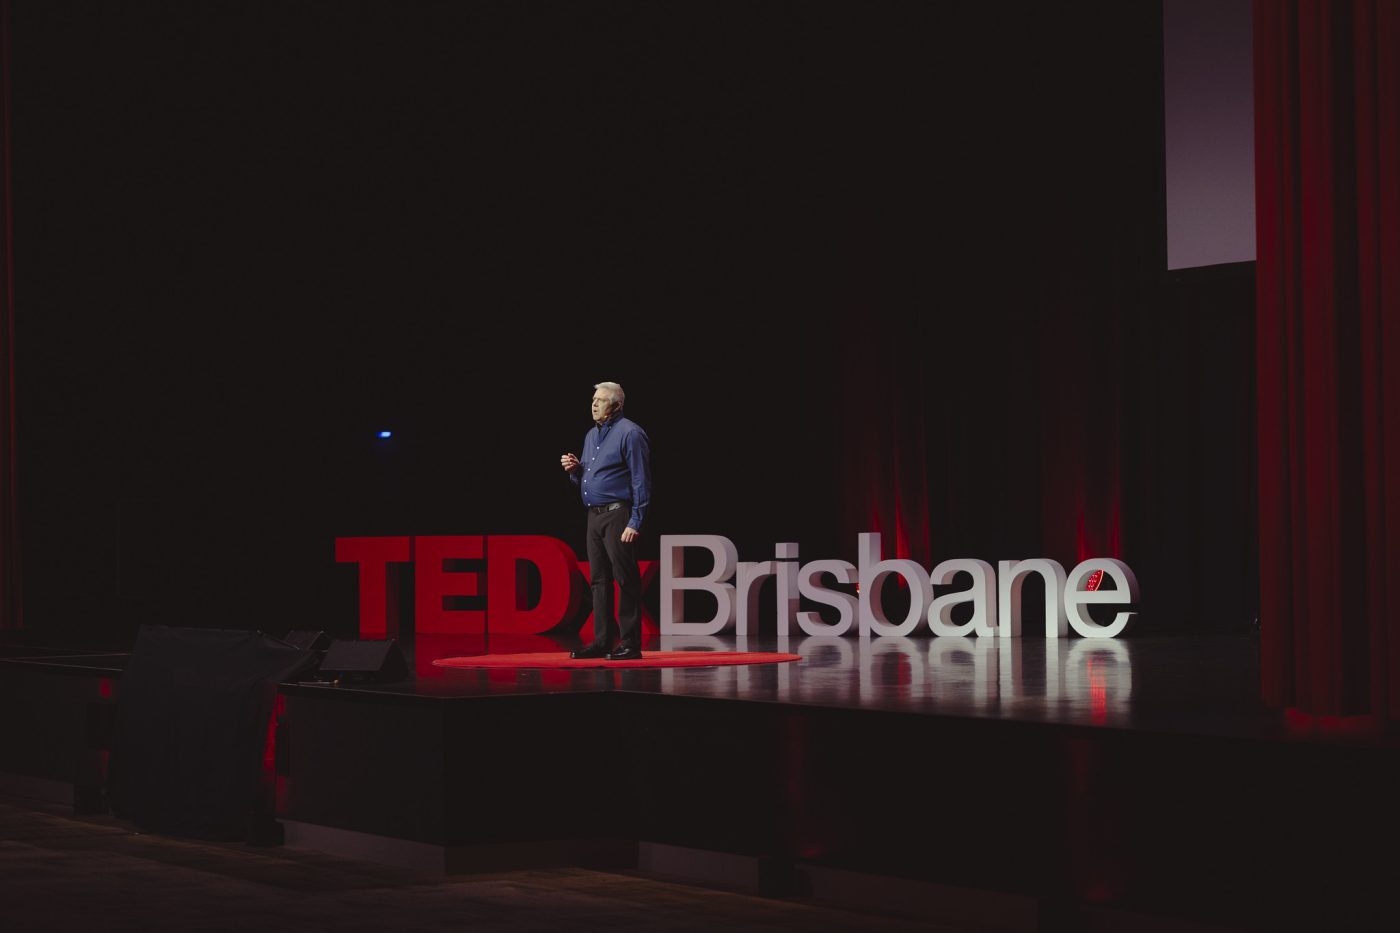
x=614 y=479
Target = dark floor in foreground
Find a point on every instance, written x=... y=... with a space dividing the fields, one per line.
x=64 y=872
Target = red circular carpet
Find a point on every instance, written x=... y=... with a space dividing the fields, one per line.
x=649 y=659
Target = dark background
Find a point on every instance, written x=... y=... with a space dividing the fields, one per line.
x=859 y=267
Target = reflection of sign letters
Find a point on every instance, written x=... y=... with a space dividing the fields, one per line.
x=994 y=593
x=1088 y=679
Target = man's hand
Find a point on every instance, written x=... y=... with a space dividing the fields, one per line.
x=629 y=535
x=569 y=462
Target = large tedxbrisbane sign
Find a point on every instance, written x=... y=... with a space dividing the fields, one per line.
x=994 y=594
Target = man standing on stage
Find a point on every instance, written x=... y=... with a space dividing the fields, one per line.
x=615 y=479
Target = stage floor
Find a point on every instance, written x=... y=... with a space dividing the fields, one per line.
x=1207 y=685
x=1142 y=773
x=1183 y=684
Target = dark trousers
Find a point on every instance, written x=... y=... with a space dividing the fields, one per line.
x=608 y=560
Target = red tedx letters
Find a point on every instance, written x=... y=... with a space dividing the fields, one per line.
x=439 y=575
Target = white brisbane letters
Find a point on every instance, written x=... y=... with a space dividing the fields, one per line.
x=809 y=583
x=982 y=595
x=1075 y=598
x=873 y=573
x=1012 y=574
x=994 y=596
x=674 y=584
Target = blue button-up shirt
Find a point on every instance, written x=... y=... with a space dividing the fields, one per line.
x=616 y=467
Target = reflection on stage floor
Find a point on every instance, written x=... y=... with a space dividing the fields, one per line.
x=1205 y=685
x=1183 y=684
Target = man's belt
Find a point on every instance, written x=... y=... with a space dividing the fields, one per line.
x=599 y=509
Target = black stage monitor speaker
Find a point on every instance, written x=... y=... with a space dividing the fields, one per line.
x=364 y=661
x=308 y=641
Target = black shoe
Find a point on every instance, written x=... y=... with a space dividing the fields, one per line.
x=595 y=650
x=625 y=652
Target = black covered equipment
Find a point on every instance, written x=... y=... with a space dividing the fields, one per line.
x=192 y=729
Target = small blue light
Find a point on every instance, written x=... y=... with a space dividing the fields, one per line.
x=386 y=433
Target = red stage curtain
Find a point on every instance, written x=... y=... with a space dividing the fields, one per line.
x=1327 y=156
x=9 y=530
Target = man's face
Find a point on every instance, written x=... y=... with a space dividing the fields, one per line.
x=602 y=405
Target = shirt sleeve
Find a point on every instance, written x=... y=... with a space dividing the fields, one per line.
x=576 y=476
x=636 y=450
